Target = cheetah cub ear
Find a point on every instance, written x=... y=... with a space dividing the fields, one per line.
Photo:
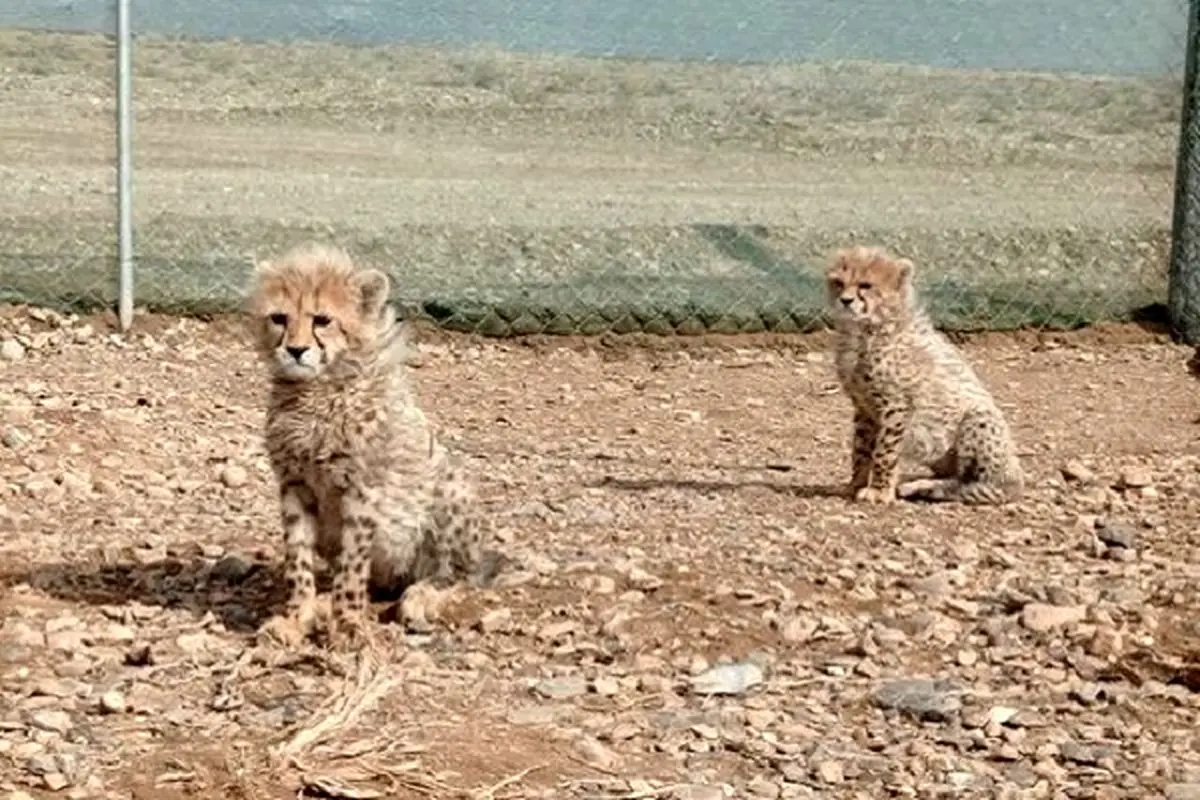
x=373 y=288
x=253 y=302
x=904 y=272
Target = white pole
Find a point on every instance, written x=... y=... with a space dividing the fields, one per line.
x=124 y=165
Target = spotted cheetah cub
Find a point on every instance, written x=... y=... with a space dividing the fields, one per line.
x=915 y=397
x=362 y=480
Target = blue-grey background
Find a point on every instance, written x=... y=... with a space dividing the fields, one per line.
x=1131 y=37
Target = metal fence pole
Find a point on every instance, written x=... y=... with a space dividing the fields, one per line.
x=124 y=165
x=1183 y=294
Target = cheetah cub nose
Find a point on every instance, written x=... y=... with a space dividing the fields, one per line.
x=296 y=352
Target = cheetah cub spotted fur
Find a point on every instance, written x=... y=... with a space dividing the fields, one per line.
x=363 y=481
x=915 y=398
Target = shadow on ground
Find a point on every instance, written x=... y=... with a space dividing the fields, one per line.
x=239 y=592
x=808 y=492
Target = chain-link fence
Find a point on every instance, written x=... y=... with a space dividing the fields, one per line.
x=581 y=167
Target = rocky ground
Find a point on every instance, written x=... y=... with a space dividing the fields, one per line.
x=691 y=611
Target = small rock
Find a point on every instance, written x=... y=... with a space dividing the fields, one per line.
x=1021 y=774
x=697 y=792
x=11 y=350
x=533 y=715
x=965 y=552
x=644 y=581
x=728 y=679
x=1042 y=618
x=606 y=687
x=18 y=795
x=960 y=780
x=596 y=754
x=975 y=717
x=67 y=641
x=418 y=661
x=40 y=763
x=763 y=787
x=140 y=655
x=51 y=687
x=112 y=702
x=116 y=633
x=1002 y=715
x=932 y=700
x=556 y=631
x=1075 y=471
x=1078 y=753
x=51 y=720
x=830 y=772
x=760 y=718
x=799 y=630
x=934 y=586
x=1136 y=477
x=232 y=568
x=21 y=635
x=1105 y=642
x=1007 y=752
x=55 y=781
x=496 y=620
x=12 y=438
x=653 y=684
x=194 y=643
x=598 y=584
x=1117 y=534
x=561 y=688
x=234 y=476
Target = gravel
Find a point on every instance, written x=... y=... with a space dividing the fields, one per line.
x=689 y=610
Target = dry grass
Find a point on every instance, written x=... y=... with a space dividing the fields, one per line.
x=585 y=184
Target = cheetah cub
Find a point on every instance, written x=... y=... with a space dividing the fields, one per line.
x=915 y=397
x=363 y=481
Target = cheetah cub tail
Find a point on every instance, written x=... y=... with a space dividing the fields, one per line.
x=990 y=494
x=971 y=493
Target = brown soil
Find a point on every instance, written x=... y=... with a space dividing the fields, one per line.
x=667 y=509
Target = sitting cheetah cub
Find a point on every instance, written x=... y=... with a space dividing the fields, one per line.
x=362 y=480
x=914 y=395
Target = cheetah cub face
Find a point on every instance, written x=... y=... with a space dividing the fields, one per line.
x=312 y=308
x=866 y=288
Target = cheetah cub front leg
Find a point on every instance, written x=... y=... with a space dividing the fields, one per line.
x=361 y=524
x=299 y=620
x=862 y=450
x=883 y=467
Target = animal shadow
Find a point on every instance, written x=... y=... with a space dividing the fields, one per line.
x=240 y=591
x=807 y=492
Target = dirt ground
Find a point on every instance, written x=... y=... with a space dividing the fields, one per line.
x=674 y=526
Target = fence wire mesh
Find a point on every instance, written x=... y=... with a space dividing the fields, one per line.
x=1024 y=156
